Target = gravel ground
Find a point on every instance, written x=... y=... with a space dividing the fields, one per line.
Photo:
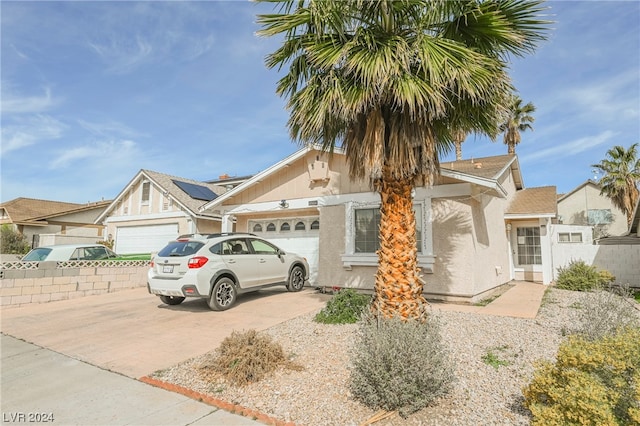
x=483 y=394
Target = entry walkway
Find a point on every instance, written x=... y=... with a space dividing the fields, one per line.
x=520 y=301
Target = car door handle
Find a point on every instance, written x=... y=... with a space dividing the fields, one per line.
x=262 y=261
x=231 y=261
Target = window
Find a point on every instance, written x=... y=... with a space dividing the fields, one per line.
x=300 y=226
x=257 y=228
x=285 y=227
x=262 y=247
x=570 y=237
x=367 y=224
x=146 y=188
x=599 y=216
x=529 y=250
x=235 y=247
x=315 y=224
x=271 y=227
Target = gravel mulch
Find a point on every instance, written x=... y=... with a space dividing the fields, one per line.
x=483 y=394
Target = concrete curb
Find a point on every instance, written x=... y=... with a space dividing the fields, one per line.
x=215 y=402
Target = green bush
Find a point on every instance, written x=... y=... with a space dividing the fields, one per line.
x=345 y=307
x=399 y=365
x=578 y=276
x=591 y=383
x=12 y=241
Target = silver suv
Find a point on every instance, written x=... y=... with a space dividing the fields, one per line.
x=218 y=267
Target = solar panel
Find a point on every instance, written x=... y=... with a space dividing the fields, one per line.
x=197 y=192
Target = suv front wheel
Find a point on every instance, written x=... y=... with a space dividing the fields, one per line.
x=223 y=295
x=296 y=279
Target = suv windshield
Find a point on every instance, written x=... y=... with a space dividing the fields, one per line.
x=180 y=248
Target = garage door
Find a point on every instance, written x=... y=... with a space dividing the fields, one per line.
x=298 y=235
x=144 y=239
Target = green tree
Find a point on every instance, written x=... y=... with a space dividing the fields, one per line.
x=621 y=177
x=389 y=81
x=12 y=241
x=518 y=120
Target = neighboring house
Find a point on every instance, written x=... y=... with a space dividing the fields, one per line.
x=155 y=208
x=478 y=228
x=585 y=206
x=45 y=222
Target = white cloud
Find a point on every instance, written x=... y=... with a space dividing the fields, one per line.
x=99 y=155
x=12 y=104
x=109 y=128
x=123 y=56
x=566 y=150
x=30 y=131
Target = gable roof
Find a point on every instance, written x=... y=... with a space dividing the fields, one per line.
x=533 y=203
x=29 y=210
x=490 y=169
x=484 y=171
x=172 y=190
x=578 y=188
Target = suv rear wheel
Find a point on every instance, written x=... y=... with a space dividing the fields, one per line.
x=223 y=295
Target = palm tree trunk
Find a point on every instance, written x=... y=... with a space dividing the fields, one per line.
x=511 y=148
x=458 y=150
x=398 y=287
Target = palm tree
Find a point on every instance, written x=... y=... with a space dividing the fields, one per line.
x=518 y=120
x=621 y=177
x=458 y=138
x=388 y=80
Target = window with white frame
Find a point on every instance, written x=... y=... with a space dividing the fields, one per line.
x=366 y=229
x=146 y=190
x=529 y=248
x=570 y=237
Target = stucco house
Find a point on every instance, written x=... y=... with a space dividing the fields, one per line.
x=47 y=222
x=154 y=208
x=584 y=206
x=478 y=227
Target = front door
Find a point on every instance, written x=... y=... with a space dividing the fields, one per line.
x=271 y=266
x=241 y=261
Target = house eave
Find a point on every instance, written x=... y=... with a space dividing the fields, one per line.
x=524 y=216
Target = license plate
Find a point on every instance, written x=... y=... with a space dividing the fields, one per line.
x=167 y=269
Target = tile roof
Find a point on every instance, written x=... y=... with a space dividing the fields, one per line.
x=29 y=209
x=532 y=201
x=485 y=167
x=166 y=182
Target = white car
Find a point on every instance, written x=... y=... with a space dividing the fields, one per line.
x=64 y=252
x=218 y=267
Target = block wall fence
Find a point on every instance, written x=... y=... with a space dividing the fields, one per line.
x=50 y=281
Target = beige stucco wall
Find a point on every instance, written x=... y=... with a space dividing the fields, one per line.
x=573 y=209
x=295 y=181
x=469 y=245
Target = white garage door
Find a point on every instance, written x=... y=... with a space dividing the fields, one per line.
x=144 y=239
x=296 y=238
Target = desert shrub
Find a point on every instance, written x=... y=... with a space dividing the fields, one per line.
x=606 y=311
x=247 y=357
x=579 y=276
x=399 y=365
x=345 y=307
x=12 y=241
x=591 y=383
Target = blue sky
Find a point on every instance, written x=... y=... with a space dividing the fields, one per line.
x=92 y=92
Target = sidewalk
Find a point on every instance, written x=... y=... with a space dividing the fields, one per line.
x=70 y=392
x=521 y=301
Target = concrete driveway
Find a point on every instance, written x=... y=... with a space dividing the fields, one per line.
x=131 y=332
